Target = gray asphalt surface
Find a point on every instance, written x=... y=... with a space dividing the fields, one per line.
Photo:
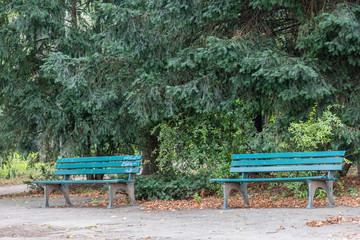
x=24 y=218
x=13 y=189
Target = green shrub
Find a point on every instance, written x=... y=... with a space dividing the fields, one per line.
x=204 y=141
x=171 y=188
x=16 y=165
x=312 y=135
x=25 y=169
x=315 y=133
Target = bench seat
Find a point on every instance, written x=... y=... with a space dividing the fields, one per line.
x=290 y=179
x=72 y=167
x=318 y=162
x=83 y=181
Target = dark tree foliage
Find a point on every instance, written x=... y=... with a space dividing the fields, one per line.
x=82 y=78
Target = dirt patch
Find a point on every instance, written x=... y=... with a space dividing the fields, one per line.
x=27 y=231
x=135 y=222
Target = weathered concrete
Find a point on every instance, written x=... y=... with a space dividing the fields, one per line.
x=23 y=218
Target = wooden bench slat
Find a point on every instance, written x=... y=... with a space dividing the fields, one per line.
x=97 y=171
x=83 y=181
x=286 y=161
x=286 y=168
x=100 y=159
x=289 y=155
x=293 y=179
x=97 y=164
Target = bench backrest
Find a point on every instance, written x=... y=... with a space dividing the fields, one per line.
x=284 y=162
x=98 y=165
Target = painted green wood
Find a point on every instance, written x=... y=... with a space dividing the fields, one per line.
x=287 y=161
x=289 y=155
x=98 y=165
x=294 y=179
x=100 y=159
x=97 y=171
x=286 y=168
x=82 y=181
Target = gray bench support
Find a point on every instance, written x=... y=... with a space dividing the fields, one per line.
x=129 y=188
x=241 y=187
x=49 y=188
x=326 y=185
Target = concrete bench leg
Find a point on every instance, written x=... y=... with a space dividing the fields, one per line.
x=241 y=187
x=131 y=192
x=49 y=188
x=329 y=192
x=65 y=191
x=127 y=187
x=327 y=186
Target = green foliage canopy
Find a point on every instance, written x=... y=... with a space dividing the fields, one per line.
x=82 y=77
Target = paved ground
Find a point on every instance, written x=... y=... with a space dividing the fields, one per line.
x=23 y=218
x=13 y=189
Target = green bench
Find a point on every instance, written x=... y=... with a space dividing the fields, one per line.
x=284 y=162
x=70 y=167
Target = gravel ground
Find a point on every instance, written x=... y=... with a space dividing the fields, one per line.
x=24 y=218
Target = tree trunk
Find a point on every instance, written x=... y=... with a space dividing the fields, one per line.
x=150 y=155
x=258 y=123
x=345 y=170
x=74 y=13
x=99 y=153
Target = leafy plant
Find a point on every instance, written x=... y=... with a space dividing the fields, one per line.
x=315 y=133
x=180 y=187
x=309 y=136
x=340 y=188
x=204 y=142
x=197 y=197
x=320 y=193
x=352 y=191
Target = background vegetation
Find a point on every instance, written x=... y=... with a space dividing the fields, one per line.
x=184 y=83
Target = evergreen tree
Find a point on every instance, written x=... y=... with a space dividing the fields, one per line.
x=82 y=78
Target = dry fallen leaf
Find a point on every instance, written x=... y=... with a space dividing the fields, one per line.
x=333 y=220
x=260 y=199
x=354 y=236
x=316 y=223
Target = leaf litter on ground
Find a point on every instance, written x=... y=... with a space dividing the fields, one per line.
x=260 y=198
